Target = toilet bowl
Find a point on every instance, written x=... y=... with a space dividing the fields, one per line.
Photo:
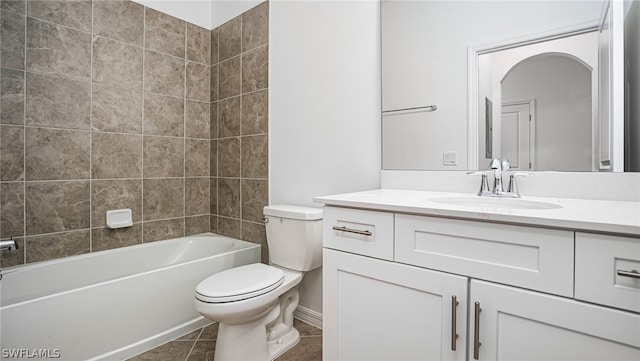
x=254 y=304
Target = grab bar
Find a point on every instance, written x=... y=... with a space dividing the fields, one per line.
x=432 y=108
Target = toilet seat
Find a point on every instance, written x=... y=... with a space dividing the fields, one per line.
x=239 y=283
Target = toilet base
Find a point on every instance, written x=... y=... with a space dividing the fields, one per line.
x=283 y=344
x=265 y=338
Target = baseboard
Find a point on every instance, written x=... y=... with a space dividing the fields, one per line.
x=309 y=316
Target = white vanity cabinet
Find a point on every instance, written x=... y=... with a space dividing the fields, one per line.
x=380 y=310
x=513 y=287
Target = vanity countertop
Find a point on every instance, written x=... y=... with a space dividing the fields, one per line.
x=575 y=214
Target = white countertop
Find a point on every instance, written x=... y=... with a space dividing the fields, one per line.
x=575 y=214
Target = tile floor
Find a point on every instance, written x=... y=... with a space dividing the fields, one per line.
x=199 y=345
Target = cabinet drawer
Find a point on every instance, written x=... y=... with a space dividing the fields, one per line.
x=368 y=233
x=535 y=258
x=603 y=270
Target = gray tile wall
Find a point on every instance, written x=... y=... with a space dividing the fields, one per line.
x=239 y=126
x=106 y=105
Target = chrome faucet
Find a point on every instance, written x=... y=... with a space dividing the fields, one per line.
x=499 y=166
x=8 y=244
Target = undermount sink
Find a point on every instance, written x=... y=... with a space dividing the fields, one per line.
x=494 y=202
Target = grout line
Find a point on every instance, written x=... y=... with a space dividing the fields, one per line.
x=144 y=60
x=90 y=132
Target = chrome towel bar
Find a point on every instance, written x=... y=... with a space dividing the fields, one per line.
x=432 y=108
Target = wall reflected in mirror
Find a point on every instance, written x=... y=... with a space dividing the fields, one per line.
x=430 y=49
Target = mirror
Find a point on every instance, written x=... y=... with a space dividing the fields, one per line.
x=457 y=76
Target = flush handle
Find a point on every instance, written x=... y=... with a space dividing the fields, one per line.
x=351 y=230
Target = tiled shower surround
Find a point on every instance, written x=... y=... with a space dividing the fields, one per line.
x=108 y=104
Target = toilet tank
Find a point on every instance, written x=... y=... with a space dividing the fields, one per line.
x=294 y=236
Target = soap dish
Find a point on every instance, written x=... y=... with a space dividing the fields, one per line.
x=119 y=218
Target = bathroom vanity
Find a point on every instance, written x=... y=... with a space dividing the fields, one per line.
x=417 y=275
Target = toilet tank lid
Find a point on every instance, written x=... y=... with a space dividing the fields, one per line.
x=293 y=212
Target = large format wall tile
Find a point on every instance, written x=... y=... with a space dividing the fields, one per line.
x=16 y=6
x=229 y=82
x=11 y=209
x=255 y=69
x=163 y=157
x=104 y=238
x=11 y=153
x=196 y=196
x=198 y=44
x=255 y=195
x=58 y=50
x=161 y=230
x=115 y=194
x=230 y=40
x=196 y=157
x=11 y=96
x=229 y=157
x=42 y=248
x=164 y=74
x=255 y=156
x=197 y=119
x=198 y=81
x=255 y=112
x=56 y=206
x=58 y=102
x=116 y=63
x=164 y=33
x=196 y=224
x=54 y=154
x=119 y=20
x=116 y=109
x=11 y=40
x=163 y=198
x=116 y=156
x=163 y=115
x=229 y=117
x=75 y=14
x=229 y=197
x=255 y=27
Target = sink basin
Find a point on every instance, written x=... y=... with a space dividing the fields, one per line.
x=495 y=202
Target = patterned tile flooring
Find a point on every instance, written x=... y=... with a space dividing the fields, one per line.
x=199 y=345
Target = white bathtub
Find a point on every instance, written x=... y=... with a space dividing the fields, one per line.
x=114 y=304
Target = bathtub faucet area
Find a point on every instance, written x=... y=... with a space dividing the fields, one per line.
x=8 y=244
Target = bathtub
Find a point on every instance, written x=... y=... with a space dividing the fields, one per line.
x=113 y=304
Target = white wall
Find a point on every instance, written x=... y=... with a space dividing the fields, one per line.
x=324 y=105
x=225 y=10
x=197 y=12
x=632 y=75
x=437 y=35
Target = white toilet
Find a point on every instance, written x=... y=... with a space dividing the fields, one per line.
x=254 y=304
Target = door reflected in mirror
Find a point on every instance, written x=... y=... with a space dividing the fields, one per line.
x=540 y=101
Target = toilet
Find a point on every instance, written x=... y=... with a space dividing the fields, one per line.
x=254 y=304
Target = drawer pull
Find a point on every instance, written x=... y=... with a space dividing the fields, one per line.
x=351 y=230
x=454 y=318
x=633 y=273
x=476 y=331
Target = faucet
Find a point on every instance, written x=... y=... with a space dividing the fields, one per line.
x=499 y=166
x=8 y=244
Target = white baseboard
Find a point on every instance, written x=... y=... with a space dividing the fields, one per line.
x=309 y=316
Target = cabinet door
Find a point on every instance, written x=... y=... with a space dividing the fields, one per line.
x=516 y=324
x=380 y=310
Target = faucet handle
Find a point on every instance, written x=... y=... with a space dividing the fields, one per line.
x=513 y=185
x=505 y=165
x=484 y=181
